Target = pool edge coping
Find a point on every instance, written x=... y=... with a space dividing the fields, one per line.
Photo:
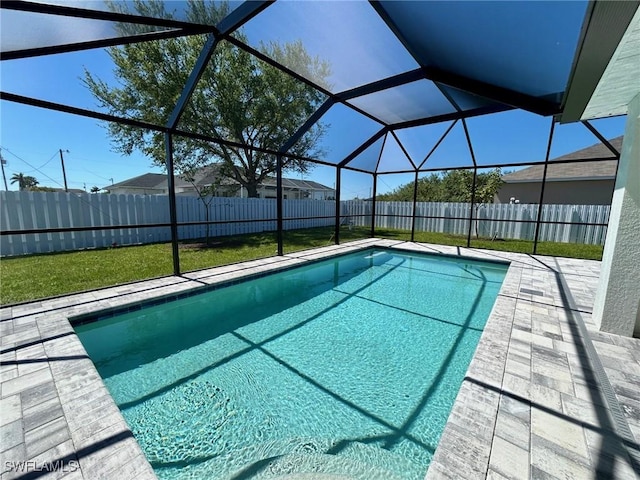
x=91 y=317
x=124 y=454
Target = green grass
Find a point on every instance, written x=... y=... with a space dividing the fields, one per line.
x=571 y=250
x=39 y=276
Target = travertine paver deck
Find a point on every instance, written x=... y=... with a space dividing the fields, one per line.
x=534 y=403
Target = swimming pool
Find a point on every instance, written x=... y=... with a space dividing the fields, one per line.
x=347 y=366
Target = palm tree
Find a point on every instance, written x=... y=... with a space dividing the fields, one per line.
x=24 y=181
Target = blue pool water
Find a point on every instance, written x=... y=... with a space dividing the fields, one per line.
x=349 y=366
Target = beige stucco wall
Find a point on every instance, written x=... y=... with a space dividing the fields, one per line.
x=135 y=191
x=584 y=192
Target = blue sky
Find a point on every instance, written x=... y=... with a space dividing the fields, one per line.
x=31 y=137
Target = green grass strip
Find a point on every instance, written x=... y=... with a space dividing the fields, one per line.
x=33 y=277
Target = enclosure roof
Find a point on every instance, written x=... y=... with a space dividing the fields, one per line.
x=394 y=65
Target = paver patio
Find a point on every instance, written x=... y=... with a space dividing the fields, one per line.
x=546 y=395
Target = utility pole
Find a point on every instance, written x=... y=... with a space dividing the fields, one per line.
x=64 y=175
x=4 y=177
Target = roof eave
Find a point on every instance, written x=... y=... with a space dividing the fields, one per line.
x=605 y=24
x=560 y=179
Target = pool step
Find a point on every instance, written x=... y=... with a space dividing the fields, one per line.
x=380 y=457
x=283 y=467
x=330 y=458
x=314 y=465
x=305 y=459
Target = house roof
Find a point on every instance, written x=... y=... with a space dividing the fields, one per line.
x=298 y=184
x=207 y=176
x=147 y=180
x=585 y=170
x=211 y=174
x=599 y=150
x=61 y=190
x=71 y=190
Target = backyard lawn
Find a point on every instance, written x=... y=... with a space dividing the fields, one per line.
x=34 y=277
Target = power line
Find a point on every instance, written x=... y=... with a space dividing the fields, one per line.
x=74 y=157
x=58 y=183
x=34 y=168
x=385 y=183
x=41 y=166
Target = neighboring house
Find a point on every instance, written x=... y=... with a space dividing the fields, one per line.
x=156 y=184
x=296 y=189
x=147 y=184
x=57 y=190
x=71 y=190
x=580 y=183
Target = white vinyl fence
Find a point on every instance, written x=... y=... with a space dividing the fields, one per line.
x=40 y=210
x=49 y=210
x=512 y=218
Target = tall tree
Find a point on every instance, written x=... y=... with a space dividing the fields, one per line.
x=238 y=98
x=450 y=186
x=25 y=182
